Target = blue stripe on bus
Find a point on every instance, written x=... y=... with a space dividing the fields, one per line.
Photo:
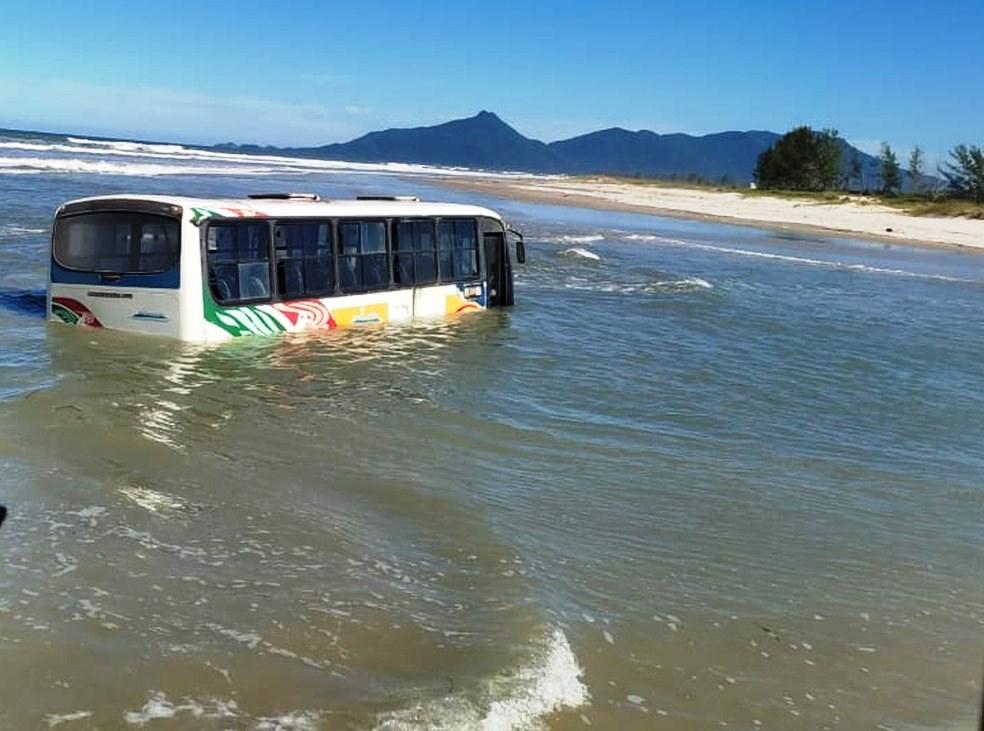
x=171 y=279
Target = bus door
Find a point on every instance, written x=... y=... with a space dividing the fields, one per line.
x=498 y=274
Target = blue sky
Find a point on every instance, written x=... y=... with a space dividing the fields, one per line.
x=317 y=72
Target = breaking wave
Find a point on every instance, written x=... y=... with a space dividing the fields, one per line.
x=518 y=700
x=128 y=146
x=574 y=239
x=662 y=286
x=10 y=230
x=39 y=165
x=143 y=159
x=159 y=707
x=583 y=253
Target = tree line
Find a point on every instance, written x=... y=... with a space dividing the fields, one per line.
x=812 y=160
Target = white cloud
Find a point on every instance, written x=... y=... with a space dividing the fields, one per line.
x=169 y=113
x=328 y=79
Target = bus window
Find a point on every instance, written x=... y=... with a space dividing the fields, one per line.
x=238 y=262
x=362 y=263
x=305 y=264
x=117 y=243
x=458 y=247
x=414 y=260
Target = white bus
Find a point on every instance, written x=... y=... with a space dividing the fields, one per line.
x=207 y=270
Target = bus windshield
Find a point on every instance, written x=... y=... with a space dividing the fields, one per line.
x=117 y=243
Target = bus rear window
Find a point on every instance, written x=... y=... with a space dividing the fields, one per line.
x=117 y=243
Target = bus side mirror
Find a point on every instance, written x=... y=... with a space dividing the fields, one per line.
x=520 y=251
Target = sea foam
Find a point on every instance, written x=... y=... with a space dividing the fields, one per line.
x=583 y=253
x=107 y=157
x=548 y=683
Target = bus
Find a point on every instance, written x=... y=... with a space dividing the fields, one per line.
x=207 y=270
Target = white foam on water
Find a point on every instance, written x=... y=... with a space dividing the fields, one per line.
x=148 y=160
x=38 y=165
x=663 y=286
x=56 y=719
x=550 y=682
x=575 y=238
x=159 y=707
x=299 y=720
x=248 y=638
x=152 y=500
x=12 y=230
x=687 y=283
x=127 y=146
x=583 y=253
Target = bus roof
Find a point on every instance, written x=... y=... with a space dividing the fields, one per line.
x=286 y=207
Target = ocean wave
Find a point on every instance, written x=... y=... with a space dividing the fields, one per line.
x=128 y=146
x=154 y=501
x=40 y=165
x=518 y=700
x=662 y=286
x=159 y=707
x=56 y=719
x=76 y=157
x=583 y=253
x=24 y=301
x=14 y=230
x=574 y=238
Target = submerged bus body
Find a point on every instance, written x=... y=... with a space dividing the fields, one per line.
x=209 y=270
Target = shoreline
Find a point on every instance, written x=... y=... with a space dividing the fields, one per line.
x=850 y=220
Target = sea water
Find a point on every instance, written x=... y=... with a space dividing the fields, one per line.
x=700 y=476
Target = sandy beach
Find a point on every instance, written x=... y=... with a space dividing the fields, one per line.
x=865 y=219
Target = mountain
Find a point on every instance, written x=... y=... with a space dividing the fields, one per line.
x=483 y=141
x=617 y=150
x=488 y=143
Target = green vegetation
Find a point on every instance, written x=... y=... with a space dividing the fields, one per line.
x=807 y=161
x=965 y=173
x=922 y=205
x=802 y=159
x=806 y=164
x=855 y=171
x=891 y=173
x=917 y=169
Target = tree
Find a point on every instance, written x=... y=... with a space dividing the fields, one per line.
x=917 y=168
x=828 y=159
x=965 y=172
x=802 y=159
x=855 y=170
x=891 y=174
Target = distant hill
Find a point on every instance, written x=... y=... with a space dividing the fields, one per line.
x=482 y=141
x=726 y=154
x=486 y=142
